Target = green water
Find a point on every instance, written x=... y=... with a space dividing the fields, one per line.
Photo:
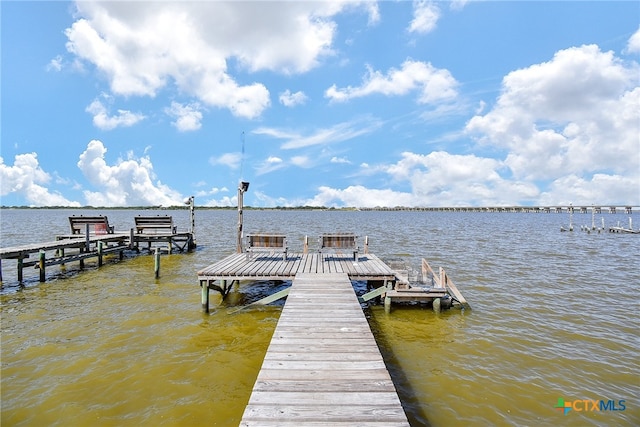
x=551 y=319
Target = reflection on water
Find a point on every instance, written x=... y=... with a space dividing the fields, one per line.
x=554 y=316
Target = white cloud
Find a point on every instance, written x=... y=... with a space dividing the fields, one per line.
x=224 y=201
x=567 y=128
x=231 y=160
x=599 y=188
x=102 y=120
x=576 y=114
x=458 y=4
x=130 y=45
x=55 y=64
x=212 y=201
x=359 y=196
x=127 y=183
x=28 y=179
x=301 y=161
x=188 y=117
x=337 y=133
x=436 y=179
x=425 y=17
x=633 y=45
x=271 y=164
x=289 y=99
x=432 y=84
x=340 y=160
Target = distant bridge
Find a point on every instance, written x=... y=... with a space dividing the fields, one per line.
x=524 y=209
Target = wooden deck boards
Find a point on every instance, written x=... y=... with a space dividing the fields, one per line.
x=270 y=266
x=323 y=366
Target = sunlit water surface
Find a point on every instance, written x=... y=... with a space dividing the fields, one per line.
x=554 y=315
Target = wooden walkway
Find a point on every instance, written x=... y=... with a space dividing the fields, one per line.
x=323 y=366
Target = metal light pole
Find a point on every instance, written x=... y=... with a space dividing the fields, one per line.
x=192 y=230
x=242 y=188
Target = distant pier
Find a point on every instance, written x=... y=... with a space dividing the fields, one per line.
x=93 y=237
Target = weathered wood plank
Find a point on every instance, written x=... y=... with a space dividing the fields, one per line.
x=383 y=398
x=361 y=415
x=327 y=385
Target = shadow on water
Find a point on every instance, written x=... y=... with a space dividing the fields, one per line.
x=408 y=396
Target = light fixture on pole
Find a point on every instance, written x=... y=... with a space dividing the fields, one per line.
x=242 y=188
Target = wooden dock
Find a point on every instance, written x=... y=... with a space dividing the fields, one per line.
x=77 y=248
x=323 y=366
x=382 y=280
x=271 y=266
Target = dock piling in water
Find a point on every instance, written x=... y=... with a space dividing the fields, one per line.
x=156 y=267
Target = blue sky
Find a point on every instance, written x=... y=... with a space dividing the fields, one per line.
x=393 y=103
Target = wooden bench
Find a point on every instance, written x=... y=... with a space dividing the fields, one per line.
x=97 y=224
x=261 y=242
x=340 y=242
x=162 y=224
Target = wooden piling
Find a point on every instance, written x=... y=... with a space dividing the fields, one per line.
x=436 y=305
x=100 y=249
x=205 y=296
x=156 y=267
x=20 y=268
x=41 y=265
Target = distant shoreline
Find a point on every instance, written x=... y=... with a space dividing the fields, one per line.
x=605 y=208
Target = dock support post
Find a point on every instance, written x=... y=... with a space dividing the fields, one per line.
x=20 y=268
x=131 y=238
x=100 y=249
x=366 y=244
x=205 y=296
x=436 y=305
x=41 y=264
x=387 y=298
x=306 y=245
x=156 y=267
x=87 y=241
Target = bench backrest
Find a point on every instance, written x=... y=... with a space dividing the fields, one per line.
x=97 y=224
x=266 y=241
x=154 y=222
x=339 y=241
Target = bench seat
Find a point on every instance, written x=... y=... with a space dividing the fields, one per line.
x=262 y=242
x=159 y=223
x=339 y=242
x=97 y=224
